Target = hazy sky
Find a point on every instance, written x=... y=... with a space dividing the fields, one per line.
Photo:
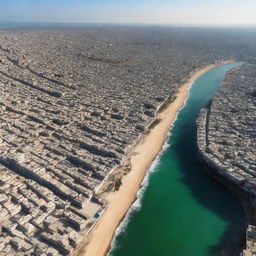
x=214 y=12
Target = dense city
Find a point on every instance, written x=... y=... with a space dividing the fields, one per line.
x=73 y=103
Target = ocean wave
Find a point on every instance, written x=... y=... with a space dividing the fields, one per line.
x=186 y=100
x=183 y=106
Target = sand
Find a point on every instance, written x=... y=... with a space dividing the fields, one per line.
x=142 y=156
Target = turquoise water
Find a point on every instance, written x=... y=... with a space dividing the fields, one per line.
x=184 y=211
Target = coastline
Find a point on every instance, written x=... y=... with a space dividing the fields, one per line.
x=140 y=157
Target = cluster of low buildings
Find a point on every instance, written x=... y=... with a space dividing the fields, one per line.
x=33 y=217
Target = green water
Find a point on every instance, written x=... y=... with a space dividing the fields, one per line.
x=184 y=212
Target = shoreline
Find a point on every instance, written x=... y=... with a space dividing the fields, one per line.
x=140 y=157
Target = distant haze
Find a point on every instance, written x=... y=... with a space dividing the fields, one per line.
x=177 y=12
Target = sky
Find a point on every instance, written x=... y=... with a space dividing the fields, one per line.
x=173 y=12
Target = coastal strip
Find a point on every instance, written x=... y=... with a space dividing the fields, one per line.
x=139 y=158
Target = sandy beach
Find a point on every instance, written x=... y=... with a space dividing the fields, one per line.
x=141 y=157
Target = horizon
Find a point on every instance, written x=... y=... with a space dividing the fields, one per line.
x=193 y=13
x=14 y=24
